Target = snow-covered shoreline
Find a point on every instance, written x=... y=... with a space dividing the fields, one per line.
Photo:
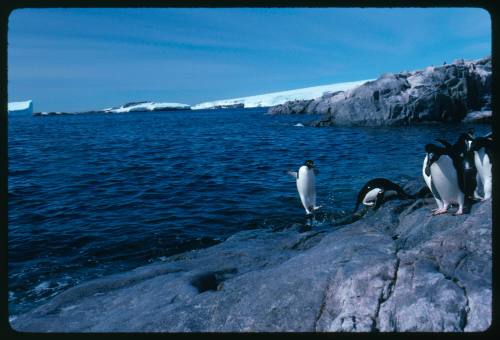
x=276 y=98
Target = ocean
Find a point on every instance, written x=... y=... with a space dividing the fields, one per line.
x=96 y=194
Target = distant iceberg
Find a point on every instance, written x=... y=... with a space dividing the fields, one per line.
x=277 y=98
x=144 y=106
x=25 y=107
x=147 y=106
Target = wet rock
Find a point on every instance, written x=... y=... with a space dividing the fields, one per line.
x=396 y=269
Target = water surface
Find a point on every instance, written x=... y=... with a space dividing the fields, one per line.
x=91 y=195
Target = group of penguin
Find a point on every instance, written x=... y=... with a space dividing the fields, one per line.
x=457 y=173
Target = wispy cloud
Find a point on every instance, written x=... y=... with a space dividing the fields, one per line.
x=200 y=54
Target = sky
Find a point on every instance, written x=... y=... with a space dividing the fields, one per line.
x=83 y=59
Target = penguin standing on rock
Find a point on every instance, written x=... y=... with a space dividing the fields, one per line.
x=427 y=178
x=374 y=191
x=463 y=150
x=442 y=166
x=482 y=147
x=306 y=186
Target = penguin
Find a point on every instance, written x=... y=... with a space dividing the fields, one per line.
x=374 y=191
x=463 y=150
x=306 y=185
x=482 y=147
x=442 y=167
x=428 y=181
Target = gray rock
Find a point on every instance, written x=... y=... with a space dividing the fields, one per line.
x=395 y=269
x=436 y=94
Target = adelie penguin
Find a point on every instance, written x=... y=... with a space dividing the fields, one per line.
x=374 y=191
x=483 y=152
x=442 y=173
x=306 y=185
x=468 y=172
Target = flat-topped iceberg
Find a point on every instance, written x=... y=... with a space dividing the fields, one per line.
x=277 y=98
x=21 y=107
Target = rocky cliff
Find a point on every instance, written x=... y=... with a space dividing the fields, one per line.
x=395 y=269
x=444 y=93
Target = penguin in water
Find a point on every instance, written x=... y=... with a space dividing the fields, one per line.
x=374 y=191
x=482 y=147
x=306 y=186
x=442 y=166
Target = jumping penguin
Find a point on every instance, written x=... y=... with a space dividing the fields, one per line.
x=442 y=167
x=483 y=149
x=374 y=191
x=306 y=186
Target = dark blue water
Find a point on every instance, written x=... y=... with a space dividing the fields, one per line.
x=91 y=195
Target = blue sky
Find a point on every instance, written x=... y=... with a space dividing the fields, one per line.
x=81 y=59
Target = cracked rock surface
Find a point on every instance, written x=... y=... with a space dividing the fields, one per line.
x=395 y=269
x=452 y=92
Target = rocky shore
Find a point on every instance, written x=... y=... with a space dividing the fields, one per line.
x=436 y=94
x=395 y=269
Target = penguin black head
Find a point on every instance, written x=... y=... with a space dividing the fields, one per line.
x=309 y=164
x=433 y=152
x=465 y=141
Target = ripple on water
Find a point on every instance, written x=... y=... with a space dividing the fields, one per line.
x=92 y=195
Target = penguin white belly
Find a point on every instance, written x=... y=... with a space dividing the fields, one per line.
x=445 y=180
x=371 y=197
x=483 y=166
x=427 y=180
x=306 y=188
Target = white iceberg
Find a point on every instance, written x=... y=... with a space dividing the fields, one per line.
x=147 y=106
x=25 y=107
x=277 y=98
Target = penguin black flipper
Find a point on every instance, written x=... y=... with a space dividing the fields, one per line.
x=397 y=188
x=457 y=163
x=379 y=200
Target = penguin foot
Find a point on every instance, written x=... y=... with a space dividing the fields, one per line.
x=459 y=212
x=439 y=212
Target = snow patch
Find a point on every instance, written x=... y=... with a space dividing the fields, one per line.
x=277 y=98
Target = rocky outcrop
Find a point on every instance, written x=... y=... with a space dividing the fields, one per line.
x=444 y=93
x=395 y=269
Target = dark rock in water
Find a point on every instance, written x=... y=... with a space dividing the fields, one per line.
x=311 y=106
x=396 y=269
x=291 y=107
x=230 y=106
x=444 y=93
x=134 y=103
